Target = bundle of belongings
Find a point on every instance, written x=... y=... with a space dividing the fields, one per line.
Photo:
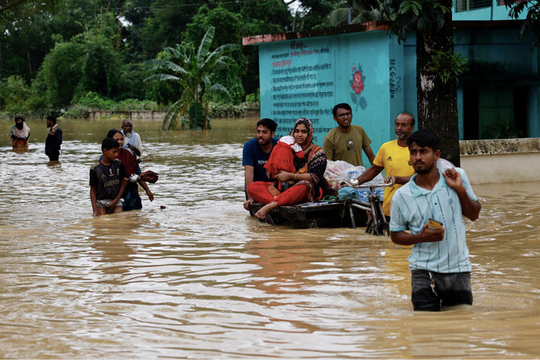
x=340 y=175
x=149 y=176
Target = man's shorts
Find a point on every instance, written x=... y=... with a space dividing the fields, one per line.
x=105 y=203
x=447 y=290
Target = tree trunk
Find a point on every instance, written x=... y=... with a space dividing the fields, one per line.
x=29 y=58
x=246 y=82
x=0 y=62
x=437 y=101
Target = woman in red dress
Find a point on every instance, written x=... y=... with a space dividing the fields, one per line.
x=132 y=200
x=307 y=178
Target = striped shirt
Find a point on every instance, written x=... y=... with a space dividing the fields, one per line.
x=413 y=206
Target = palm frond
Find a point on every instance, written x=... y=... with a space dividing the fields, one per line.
x=205 y=44
x=174 y=114
x=175 y=52
x=174 y=121
x=226 y=48
x=160 y=63
x=168 y=114
x=221 y=63
x=215 y=90
x=161 y=77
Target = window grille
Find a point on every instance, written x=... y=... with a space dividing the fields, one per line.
x=466 y=5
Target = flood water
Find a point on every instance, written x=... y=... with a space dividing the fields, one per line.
x=201 y=279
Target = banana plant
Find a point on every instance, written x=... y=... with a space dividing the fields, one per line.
x=192 y=70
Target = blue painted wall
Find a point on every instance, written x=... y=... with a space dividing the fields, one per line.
x=307 y=77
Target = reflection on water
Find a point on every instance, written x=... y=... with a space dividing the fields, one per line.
x=200 y=278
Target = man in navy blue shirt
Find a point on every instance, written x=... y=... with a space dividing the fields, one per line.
x=256 y=153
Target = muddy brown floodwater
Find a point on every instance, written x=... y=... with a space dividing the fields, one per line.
x=201 y=279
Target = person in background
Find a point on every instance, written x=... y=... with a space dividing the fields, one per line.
x=19 y=133
x=346 y=141
x=54 y=139
x=132 y=140
x=256 y=153
x=132 y=199
x=394 y=158
x=431 y=206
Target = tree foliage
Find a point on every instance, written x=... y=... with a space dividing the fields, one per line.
x=100 y=67
x=13 y=94
x=15 y=10
x=424 y=16
x=64 y=49
x=72 y=68
x=24 y=42
x=313 y=14
x=531 y=23
x=165 y=22
x=352 y=13
x=59 y=77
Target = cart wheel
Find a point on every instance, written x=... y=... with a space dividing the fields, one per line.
x=268 y=220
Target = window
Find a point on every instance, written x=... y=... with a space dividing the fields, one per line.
x=466 y=5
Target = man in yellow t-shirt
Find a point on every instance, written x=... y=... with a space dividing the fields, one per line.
x=393 y=157
x=346 y=141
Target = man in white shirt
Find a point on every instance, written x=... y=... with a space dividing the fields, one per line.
x=132 y=140
x=432 y=206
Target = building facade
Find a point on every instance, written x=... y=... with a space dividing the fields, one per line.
x=306 y=74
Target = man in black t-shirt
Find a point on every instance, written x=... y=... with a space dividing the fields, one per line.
x=256 y=153
x=107 y=180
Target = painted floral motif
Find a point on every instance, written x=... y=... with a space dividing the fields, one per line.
x=357 y=86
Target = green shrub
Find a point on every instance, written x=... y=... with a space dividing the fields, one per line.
x=220 y=110
x=134 y=104
x=92 y=101
x=254 y=98
x=77 y=111
x=13 y=95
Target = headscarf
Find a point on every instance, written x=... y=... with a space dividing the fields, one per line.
x=309 y=127
x=20 y=125
x=313 y=163
x=125 y=156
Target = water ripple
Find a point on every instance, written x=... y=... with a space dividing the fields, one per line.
x=192 y=275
